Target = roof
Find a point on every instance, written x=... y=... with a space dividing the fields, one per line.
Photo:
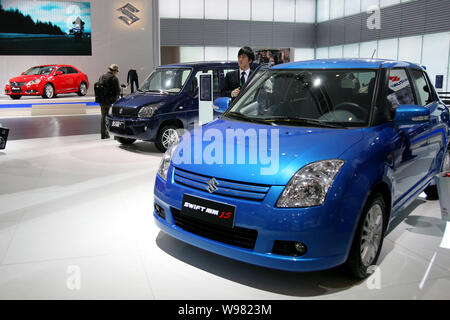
x=200 y=64
x=346 y=64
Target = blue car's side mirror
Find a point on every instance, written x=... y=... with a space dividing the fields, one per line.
x=221 y=104
x=410 y=114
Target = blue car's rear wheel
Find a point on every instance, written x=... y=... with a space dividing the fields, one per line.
x=368 y=238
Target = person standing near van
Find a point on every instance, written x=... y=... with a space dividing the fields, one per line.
x=111 y=89
x=133 y=79
x=235 y=80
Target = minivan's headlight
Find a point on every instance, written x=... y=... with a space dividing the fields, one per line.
x=148 y=111
x=35 y=81
x=309 y=186
x=165 y=162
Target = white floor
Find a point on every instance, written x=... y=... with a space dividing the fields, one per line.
x=76 y=223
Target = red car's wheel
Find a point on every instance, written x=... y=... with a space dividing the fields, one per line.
x=15 y=97
x=82 y=90
x=49 y=91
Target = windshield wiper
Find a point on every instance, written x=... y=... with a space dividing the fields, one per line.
x=305 y=121
x=238 y=115
x=159 y=91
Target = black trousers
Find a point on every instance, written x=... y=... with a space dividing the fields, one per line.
x=105 y=109
x=134 y=81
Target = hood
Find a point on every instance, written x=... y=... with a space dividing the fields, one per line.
x=139 y=99
x=26 y=78
x=292 y=147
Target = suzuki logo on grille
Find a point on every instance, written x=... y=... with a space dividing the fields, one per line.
x=128 y=10
x=121 y=111
x=212 y=185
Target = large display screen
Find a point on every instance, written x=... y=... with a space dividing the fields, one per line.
x=33 y=27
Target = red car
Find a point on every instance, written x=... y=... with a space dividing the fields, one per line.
x=48 y=81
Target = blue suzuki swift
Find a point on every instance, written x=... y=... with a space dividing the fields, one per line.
x=307 y=168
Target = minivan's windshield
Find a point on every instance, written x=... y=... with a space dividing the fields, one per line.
x=328 y=98
x=166 y=80
x=39 y=70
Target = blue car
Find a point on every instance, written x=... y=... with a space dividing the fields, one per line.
x=317 y=158
x=166 y=102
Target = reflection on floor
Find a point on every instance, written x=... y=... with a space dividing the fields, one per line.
x=76 y=223
x=50 y=126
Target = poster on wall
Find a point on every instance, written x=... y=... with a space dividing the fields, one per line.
x=273 y=56
x=34 y=27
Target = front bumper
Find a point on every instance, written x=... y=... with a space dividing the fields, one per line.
x=31 y=90
x=134 y=128
x=319 y=228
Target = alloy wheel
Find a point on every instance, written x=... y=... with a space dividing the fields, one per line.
x=371 y=237
x=49 y=91
x=169 y=137
x=83 y=89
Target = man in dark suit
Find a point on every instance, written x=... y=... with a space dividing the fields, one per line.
x=236 y=80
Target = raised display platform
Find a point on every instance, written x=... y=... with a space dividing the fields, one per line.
x=37 y=106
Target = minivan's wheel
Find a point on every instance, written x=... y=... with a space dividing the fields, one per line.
x=431 y=191
x=167 y=136
x=49 y=91
x=15 y=97
x=368 y=238
x=125 y=141
x=82 y=90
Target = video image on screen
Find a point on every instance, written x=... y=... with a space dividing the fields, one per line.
x=30 y=27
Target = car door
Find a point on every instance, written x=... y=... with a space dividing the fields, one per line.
x=427 y=97
x=74 y=79
x=61 y=81
x=411 y=158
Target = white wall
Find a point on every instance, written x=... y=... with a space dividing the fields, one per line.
x=429 y=50
x=131 y=47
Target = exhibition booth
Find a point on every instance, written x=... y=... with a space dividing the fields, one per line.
x=257 y=150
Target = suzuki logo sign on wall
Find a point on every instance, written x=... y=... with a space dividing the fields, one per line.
x=129 y=14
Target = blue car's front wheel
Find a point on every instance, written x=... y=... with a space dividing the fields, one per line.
x=368 y=238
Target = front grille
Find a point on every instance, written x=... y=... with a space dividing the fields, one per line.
x=236 y=236
x=18 y=84
x=227 y=188
x=126 y=112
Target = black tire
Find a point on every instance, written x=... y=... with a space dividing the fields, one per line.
x=49 y=91
x=161 y=142
x=15 y=97
x=432 y=191
x=125 y=141
x=354 y=263
x=82 y=89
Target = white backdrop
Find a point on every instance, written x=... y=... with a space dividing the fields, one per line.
x=131 y=47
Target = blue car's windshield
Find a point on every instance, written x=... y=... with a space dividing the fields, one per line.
x=166 y=80
x=308 y=97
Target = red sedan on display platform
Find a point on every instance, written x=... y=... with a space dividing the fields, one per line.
x=48 y=81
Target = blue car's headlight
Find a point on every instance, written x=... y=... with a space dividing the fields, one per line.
x=165 y=162
x=149 y=111
x=309 y=186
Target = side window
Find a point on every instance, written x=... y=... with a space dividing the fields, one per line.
x=225 y=71
x=423 y=90
x=63 y=70
x=399 y=89
x=216 y=86
x=71 y=70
